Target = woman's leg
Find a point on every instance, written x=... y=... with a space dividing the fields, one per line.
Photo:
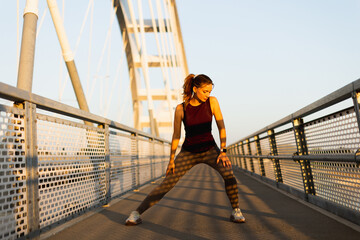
x=226 y=173
x=184 y=161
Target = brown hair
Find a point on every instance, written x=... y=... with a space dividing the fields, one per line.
x=194 y=81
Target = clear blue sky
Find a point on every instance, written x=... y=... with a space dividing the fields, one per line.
x=267 y=58
x=271 y=58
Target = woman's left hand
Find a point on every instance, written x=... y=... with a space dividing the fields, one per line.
x=225 y=160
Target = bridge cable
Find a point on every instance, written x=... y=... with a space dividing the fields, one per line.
x=102 y=54
x=165 y=40
x=173 y=49
x=90 y=5
x=118 y=73
x=178 y=56
x=162 y=63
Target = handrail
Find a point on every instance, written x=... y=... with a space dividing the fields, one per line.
x=321 y=157
x=94 y=163
x=18 y=95
x=325 y=154
x=327 y=101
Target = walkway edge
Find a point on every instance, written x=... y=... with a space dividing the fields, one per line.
x=92 y=212
x=300 y=200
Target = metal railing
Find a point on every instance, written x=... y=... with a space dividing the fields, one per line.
x=53 y=167
x=317 y=160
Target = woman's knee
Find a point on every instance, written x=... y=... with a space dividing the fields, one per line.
x=230 y=180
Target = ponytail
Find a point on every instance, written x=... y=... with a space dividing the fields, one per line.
x=191 y=81
x=188 y=89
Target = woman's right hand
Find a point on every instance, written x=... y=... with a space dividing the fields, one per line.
x=170 y=168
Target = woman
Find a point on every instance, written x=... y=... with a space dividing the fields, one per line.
x=199 y=146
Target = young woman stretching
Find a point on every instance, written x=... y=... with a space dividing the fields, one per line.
x=199 y=146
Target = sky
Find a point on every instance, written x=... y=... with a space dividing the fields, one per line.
x=267 y=58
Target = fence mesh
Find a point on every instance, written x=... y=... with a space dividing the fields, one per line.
x=71 y=168
x=337 y=182
x=285 y=142
x=123 y=165
x=13 y=188
x=335 y=134
x=268 y=164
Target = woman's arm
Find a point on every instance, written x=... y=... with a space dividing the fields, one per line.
x=179 y=115
x=215 y=108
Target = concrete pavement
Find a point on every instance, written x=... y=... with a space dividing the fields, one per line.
x=198 y=208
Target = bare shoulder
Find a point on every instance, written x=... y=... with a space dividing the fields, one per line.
x=213 y=100
x=215 y=107
x=179 y=111
x=214 y=103
x=179 y=107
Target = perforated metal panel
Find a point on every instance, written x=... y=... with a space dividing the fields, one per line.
x=291 y=171
x=337 y=133
x=256 y=165
x=231 y=156
x=337 y=182
x=159 y=158
x=236 y=151
x=167 y=149
x=268 y=164
x=334 y=134
x=291 y=174
x=122 y=162
x=243 y=160
x=269 y=169
x=13 y=199
x=253 y=148
x=71 y=168
x=285 y=143
x=255 y=160
x=265 y=146
x=145 y=159
x=247 y=160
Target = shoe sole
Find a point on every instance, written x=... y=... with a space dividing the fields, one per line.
x=237 y=221
x=129 y=223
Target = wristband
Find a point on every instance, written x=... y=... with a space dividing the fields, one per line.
x=223 y=150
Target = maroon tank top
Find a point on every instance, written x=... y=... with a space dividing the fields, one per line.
x=197 y=121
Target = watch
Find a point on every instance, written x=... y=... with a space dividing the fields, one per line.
x=223 y=150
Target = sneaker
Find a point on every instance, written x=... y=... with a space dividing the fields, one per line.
x=236 y=216
x=133 y=219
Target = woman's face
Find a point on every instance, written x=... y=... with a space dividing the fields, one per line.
x=203 y=93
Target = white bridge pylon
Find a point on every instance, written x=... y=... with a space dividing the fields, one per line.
x=150 y=40
x=142 y=32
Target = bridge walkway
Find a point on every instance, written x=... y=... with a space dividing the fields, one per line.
x=198 y=208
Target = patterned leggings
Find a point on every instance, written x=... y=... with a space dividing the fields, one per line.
x=184 y=161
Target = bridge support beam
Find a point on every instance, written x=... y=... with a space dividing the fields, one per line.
x=258 y=152
x=274 y=152
x=27 y=52
x=68 y=56
x=305 y=165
